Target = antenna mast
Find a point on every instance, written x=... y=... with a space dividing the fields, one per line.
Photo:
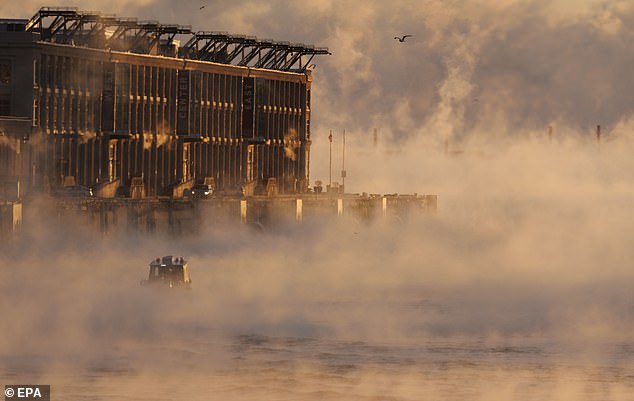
x=343 y=163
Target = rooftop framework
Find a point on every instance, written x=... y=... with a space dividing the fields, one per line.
x=249 y=51
x=68 y=25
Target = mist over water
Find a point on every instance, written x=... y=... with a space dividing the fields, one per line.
x=521 y=287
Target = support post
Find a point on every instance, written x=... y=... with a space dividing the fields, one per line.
x=298 y=210
x=330 y=161
x=243 y=211
x=16 y=216
x=103 y=213
x=384 y=206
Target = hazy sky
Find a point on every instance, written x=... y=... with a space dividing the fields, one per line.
x=471 y=65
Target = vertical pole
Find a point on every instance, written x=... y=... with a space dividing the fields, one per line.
x=330 y=162
x=343 y=163
x=298 y=210
x=170 y=219
x=598 y=133
x=16 y=215
x=18 y=165
x=103 y=219
x=384 y=206
x=243 y=211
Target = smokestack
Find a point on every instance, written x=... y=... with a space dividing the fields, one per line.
x=376 y=138
x=598 y=133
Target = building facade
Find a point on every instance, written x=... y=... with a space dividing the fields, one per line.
x=110 y=103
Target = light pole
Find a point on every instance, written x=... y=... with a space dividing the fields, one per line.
x=343 y=163
x=330 y=162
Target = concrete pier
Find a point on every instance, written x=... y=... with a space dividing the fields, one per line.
x=184 y=216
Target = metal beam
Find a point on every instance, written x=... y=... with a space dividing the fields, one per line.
x=248 y=41
x=256 y=51
x=67 y=25
x=270 y=59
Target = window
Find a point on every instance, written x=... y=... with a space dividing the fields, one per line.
x=5 y=92
x=5 y=72
x=15 y=27
x=122 y=97
x=5 y=105
x=36 y=72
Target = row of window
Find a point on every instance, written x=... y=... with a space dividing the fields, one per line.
x=5 y=87
x=124 y=159
x=5 y=72
x=282 y=95
x=80 y=74
x=79 y=95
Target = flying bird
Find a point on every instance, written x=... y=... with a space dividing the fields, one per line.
x=202 y=7
x=402 y=38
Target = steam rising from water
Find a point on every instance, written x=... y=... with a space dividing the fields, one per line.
x=520 y=288
x=523 y=279
x=291 y=144
x=9 y=142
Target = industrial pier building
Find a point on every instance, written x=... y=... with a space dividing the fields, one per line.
x=128 y=115
x=110 y=103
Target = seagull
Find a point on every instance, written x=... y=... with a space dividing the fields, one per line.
x=202 y=7
x=402 y=38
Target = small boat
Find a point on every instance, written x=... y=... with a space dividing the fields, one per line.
x=169 y=271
